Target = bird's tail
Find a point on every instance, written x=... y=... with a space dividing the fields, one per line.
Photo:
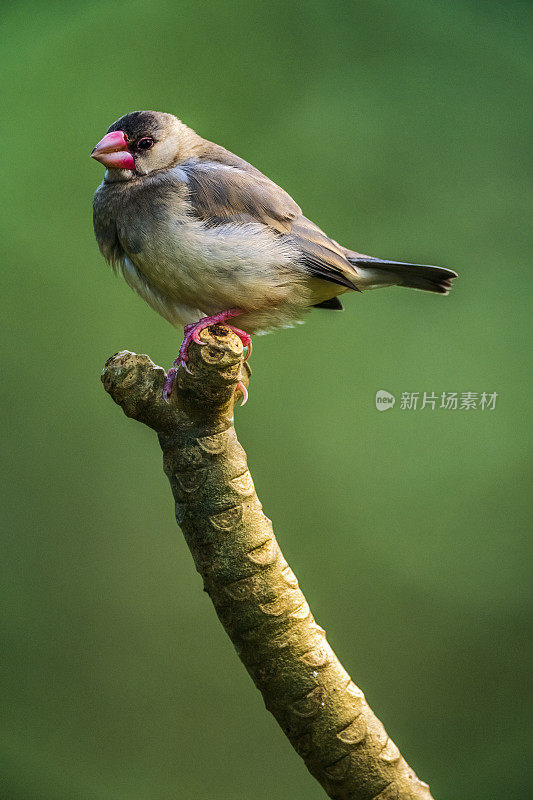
x=376 y=272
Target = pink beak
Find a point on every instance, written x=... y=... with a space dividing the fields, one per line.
x=112 y=151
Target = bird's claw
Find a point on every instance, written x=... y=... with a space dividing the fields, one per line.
x=181 y=361
x=192 y=334
x=240 y=387
x=193 y=329
x=246 y=339
x=196 y=338
x=169 y=384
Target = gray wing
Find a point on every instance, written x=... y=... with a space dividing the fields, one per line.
x=221 y=193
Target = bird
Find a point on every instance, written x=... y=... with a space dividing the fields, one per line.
x=204 y=237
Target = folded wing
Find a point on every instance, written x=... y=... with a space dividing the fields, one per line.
x=222 y=193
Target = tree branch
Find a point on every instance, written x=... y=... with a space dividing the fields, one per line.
x=254 y=591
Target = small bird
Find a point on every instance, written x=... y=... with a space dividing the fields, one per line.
x=205 y=237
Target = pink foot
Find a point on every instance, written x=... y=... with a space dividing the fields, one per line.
x=192 y=332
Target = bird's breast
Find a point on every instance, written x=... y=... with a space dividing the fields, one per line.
x=211 y=268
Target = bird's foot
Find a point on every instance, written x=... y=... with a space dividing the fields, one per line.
x=169 y=383
x=191 y=334
x=192 y=331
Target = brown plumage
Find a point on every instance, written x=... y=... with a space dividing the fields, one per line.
x=197 y=230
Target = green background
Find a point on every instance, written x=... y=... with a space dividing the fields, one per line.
x=400 y=127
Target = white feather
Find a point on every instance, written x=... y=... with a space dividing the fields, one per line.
x=186 y=269
x=172 y=311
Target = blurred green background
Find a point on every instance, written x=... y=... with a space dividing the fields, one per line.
x=400 y=127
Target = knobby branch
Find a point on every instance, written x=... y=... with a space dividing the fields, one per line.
x=255 y=593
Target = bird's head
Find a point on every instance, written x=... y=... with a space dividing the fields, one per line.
x=139 y=143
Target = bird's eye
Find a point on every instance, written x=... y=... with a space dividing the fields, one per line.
x=145 y=143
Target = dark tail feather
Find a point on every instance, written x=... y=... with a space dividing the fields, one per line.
x=398 y=273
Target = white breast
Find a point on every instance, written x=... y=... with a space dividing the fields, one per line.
x=186 y=270
x=171 y=310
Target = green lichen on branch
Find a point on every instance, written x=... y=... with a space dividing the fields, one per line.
x=253 y=589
